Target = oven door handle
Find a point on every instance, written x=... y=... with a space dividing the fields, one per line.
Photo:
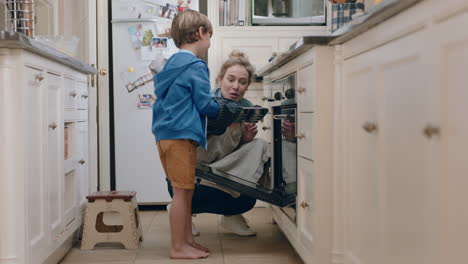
x=284 y=116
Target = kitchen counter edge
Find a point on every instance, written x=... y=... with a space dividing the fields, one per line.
x=355 y=27
x=15 y=40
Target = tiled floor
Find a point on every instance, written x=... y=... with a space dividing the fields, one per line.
x=270 y=246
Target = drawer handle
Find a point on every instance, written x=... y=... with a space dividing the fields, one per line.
x=73 y=93
x=304 y=204
x=301 y=90
x=430 y=131
x=53 y=126
x=266 y=128
x=39 y=76
x=82 y=161
x=84 y=96
x=301 y=136
x=369 y=127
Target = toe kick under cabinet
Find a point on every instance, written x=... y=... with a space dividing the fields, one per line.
x=44 y=166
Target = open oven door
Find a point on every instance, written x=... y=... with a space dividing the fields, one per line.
x=281 y=196
x=281 y=168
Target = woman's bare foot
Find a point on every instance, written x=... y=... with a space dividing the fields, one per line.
x=200 y=247
x=188 y=252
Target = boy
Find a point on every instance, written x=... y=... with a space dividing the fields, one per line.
x=179 y=122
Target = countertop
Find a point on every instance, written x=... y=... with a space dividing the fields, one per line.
x=19 y=41
x=358 y=25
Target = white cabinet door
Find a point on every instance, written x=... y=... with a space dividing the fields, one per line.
x=306 y=202
x=387 y=168
x=37 y=177
x=54 y=150
x=259 y=50
x=305 y=91
x=70 y=94
x=403 y=108
x=363 y=241
x=83 y=161
x=82 y=97
x=450 y=53
x=306 y=135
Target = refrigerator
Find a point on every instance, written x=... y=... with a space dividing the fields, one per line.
x=140 y=44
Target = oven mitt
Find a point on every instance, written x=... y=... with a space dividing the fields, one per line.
x=229 y=110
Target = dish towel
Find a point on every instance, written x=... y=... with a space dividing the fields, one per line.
x=247 y=162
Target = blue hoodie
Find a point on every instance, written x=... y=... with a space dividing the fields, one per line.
x=183 y=99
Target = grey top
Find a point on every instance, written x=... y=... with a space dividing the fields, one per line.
x=20 y=41
x=359 y=25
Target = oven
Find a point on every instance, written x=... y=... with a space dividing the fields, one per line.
x=282 y=166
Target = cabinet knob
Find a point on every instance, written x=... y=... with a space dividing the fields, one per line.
x=103 y=72
x=301 y=136
x=266 y=128
x=431 y=130
x=53 y=126
x=81 y=162
x=301 y=90
x=39 y=76
x=369 y=127
x=304 y=204
x=73 y=93
x=84 y=96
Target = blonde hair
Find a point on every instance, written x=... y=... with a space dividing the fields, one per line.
x=184 y=28
x=237 y=57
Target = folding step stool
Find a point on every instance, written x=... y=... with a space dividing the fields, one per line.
x=95 y=231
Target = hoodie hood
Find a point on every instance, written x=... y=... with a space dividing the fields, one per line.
x=173 y=69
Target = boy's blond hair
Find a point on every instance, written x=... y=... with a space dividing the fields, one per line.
x=185 y=27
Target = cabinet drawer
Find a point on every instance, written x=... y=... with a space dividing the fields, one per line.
x=305 y=135
x=82 y=97
x=306 y=89
x=70 y=94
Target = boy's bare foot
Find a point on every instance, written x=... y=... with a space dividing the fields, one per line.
x=188 y=252
x=200 y=247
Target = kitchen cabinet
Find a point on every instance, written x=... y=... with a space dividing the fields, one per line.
x=309 y=227
x=403 y=138
x=44 y=172
x=386 y=154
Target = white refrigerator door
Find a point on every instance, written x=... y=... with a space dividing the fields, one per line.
x=137 y=164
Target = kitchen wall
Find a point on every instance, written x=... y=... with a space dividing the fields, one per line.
x=72 y=21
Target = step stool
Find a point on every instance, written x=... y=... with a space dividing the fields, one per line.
x=95 y=231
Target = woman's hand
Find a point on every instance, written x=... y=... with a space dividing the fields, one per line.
x=288 y=129
x=249 y=131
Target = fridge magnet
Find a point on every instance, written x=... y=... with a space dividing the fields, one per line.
x=149 y=53
x=163 y=29
x=157 y=64
x=134 y=36
x=146 y=101
x=183 y=5
x=136 y=77
x=168 y=11
x=147 y=36
x=159 y=43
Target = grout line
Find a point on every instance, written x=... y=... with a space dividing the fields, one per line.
x=220 y=240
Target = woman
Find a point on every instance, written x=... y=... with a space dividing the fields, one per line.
x=234 y=79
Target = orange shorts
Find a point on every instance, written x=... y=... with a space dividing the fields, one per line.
x=178 y=158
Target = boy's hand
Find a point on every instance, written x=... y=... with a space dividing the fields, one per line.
x=249 y=131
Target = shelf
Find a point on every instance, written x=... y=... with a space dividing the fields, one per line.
x=269 y=28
